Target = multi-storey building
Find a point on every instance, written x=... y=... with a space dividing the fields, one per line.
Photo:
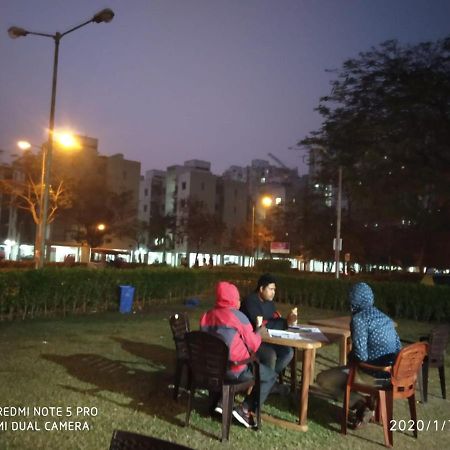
x=194 y=183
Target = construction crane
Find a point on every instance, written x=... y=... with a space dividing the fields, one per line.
x=278 y=161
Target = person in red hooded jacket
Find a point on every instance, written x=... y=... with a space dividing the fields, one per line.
x=233 y=327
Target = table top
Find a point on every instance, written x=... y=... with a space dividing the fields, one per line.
x=309 y=341
x=341 y=322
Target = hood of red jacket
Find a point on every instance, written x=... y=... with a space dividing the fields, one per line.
x=227 y=295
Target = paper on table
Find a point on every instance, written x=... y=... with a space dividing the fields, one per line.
x=304 y=329
x=284 y=334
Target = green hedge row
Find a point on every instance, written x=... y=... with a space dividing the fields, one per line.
x=31 y=293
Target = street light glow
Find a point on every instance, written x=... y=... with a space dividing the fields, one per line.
x=66 y=139
x=267 y=201
x=101 y=227
x=24 y=145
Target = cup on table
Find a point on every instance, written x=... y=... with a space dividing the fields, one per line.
x=294 y=316
x=259 y=321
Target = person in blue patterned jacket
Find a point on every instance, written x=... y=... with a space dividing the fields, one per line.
x=374 y=340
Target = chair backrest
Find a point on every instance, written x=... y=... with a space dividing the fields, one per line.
x=125 y=440
x=179 y=324
x=208 y=359
x=438 y=344
x=407 y=364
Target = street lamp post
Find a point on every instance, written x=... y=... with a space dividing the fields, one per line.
x=106 y=15
x=266 y=201
x=337 y=247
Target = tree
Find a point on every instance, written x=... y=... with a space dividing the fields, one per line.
x=387 y=123
x=200 y=227
x=25 y=189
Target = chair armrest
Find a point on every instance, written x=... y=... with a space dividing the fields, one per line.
x=406 y=341
x=364 y=365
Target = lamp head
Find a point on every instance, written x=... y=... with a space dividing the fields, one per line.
x=15 y=32
x=105 y=15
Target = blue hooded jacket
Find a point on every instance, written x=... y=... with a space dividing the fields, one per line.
x=374 y=337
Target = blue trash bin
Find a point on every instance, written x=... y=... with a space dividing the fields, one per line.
x=126 y=299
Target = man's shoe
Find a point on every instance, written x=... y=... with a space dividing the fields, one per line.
x=280 y=389
x=360 y=418
x=218 y=409
x=244 y=417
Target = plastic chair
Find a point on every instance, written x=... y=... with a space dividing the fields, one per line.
x=402 y=385
x=125 y=440
x=179 y=324
x=438 y=340
x=208 y=361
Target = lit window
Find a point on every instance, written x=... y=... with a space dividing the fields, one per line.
x=277 y=200
x=263 y=179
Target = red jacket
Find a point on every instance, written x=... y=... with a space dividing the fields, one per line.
x=231 y=325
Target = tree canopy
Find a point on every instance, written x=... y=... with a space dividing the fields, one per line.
x=386 y=121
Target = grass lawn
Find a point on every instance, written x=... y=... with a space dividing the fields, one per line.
x=118 y=370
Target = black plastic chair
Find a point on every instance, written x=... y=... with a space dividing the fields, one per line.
x=438 y=340
x=179 y=324
x=125 y=440
x=208 y=362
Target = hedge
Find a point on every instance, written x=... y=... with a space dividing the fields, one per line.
x=49 y=291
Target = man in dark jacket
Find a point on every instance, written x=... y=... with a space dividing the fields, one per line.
x=260 y=303
x=226 y=321
x=374 y=340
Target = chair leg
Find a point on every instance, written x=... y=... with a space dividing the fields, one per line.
x=385 y=417
x=425 y=380
x=227 y=411
x=413 y=412
x=389 y=416
x=345 y=410
x=189 y=405
x=420 y=383
x=442 y=378
x=177 y=378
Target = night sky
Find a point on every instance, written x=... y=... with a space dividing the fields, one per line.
x=222 y=80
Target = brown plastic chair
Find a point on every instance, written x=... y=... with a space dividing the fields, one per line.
x=402 y=385
x=208 y=362
x=179 y=324
x=125 y=440
x=438 y=340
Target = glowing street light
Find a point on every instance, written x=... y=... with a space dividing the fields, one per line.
x=101 y=227
x=266 y=202
x=105 y=15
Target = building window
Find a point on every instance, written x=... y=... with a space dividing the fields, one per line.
x=182 y=202
x=146 y=192
x=277 y=200
x=202 y=186
x=235 y=210
x=124 y=175
x=235 y=193
x=263 y=180
x=145 y=208
x=183 y=186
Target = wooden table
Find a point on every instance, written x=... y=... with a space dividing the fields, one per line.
x=308 y=346
x=339 y=323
